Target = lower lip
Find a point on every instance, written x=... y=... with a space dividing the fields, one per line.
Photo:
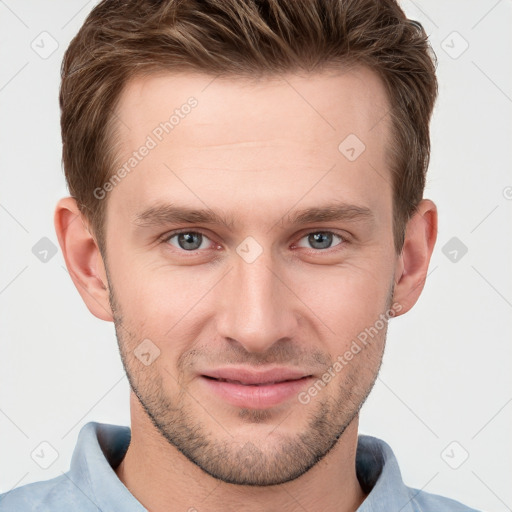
x=256 y=397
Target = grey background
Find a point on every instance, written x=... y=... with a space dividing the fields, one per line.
x=444 y=391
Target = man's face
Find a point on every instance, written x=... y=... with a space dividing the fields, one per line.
x=264 y=290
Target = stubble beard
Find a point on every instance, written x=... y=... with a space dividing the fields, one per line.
x=268 y=460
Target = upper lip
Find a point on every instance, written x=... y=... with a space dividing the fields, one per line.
x=251 y=376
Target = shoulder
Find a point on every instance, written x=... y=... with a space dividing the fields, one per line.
x=380 y=477
x=88 y=485
x=53 y=495
x=422 y=501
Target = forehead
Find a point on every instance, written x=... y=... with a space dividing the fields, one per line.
x=335 y=100
x=249 y=141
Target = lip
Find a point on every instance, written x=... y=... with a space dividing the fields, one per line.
x=242 y=387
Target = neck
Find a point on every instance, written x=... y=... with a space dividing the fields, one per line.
x=163 y=480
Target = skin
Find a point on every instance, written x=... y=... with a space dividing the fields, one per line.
x=255 y=151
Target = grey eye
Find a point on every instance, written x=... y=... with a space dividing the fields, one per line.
x=188 y=241
x=320 y=239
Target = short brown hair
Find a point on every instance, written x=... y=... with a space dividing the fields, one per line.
x=242 y=38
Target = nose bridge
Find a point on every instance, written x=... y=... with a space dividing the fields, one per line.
x=258 y=309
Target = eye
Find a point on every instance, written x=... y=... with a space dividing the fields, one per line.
x=187 y=240
x=321 y=239
x=190 y=241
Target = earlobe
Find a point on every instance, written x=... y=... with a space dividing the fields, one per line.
x=412 y=265
x=83 y=258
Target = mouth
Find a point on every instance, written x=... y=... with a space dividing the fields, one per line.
x=254 y=383
x=255 y=390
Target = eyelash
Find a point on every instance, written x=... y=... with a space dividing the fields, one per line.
x=344 y=240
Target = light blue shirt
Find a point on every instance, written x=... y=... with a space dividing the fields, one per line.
x=91 y=485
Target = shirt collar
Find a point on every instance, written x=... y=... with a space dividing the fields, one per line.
x=101 y=447
x=377 y=469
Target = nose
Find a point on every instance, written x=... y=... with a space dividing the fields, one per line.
x=258 y=307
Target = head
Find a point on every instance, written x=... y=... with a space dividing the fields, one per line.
x=287 y=141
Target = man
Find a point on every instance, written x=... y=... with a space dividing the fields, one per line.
x=247 y=207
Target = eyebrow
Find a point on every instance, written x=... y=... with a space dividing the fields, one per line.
x=162 y=214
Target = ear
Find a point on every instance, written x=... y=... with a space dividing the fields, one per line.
x=83 y=258
x=412 y=264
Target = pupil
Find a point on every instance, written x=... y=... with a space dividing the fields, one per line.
x=324 y=240
x=191 y=241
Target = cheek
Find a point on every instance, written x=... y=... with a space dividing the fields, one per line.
x=346 y=297
x=158 y=301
